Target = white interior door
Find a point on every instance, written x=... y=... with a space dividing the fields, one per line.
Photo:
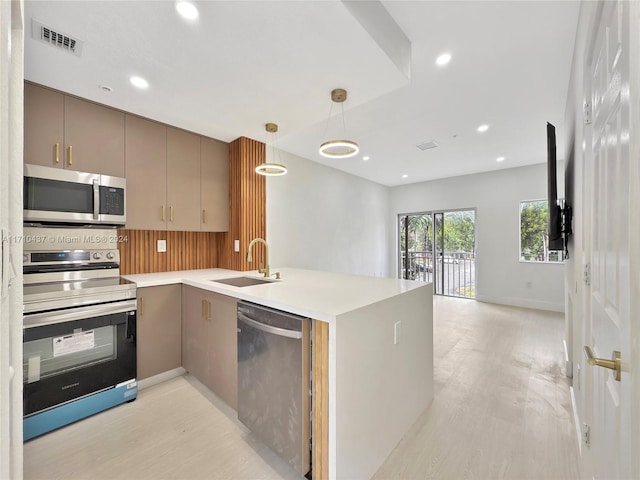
x=608 y=328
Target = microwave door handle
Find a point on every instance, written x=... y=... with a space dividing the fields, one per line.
x=96 y=199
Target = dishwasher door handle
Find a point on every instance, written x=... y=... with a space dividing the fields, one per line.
x=283 y=332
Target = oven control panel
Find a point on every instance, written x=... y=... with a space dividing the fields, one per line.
x=71 y=257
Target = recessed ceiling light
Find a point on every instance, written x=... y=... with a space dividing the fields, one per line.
x=365 y=158
x=500 y=159
x=483 y=128
x=443 y=59
x=405 y=175
x=139 y=82
x=187 y=10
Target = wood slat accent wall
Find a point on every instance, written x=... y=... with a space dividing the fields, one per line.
x=247 y=206
x=320 y=408
x=185 y=251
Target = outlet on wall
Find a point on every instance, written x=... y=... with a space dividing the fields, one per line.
x=236 y=245
x=162 y=246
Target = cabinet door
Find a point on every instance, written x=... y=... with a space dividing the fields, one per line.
x=183 y=180
x=223 y=349
x=96 y=135
x=43 y=126
x=195 y=333
x=159 y=345
x=146 y=172
x=214 y=185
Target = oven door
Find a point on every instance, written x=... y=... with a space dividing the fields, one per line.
x=74 y=352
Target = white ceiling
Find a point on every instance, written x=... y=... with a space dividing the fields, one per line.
x=244 y=63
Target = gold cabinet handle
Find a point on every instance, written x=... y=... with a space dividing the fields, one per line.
x=202 y=312
x=163 y=213
x=70 y=154
x=57 y=153
x=204 y=216
x=206 y=305
x=171 y=213
x=141 y=306
x=614 y=364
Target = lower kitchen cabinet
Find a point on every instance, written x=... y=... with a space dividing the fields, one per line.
x=209 y=341
x=159 y=346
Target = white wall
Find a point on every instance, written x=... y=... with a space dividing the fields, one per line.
x=321 y=218
x=11 y=134
x=496 y=196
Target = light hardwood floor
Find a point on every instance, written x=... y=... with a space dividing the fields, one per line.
x=502 y=410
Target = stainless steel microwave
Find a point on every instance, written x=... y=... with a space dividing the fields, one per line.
x=57 y=196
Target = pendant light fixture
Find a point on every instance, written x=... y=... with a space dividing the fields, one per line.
x=338 y=148
x=272 y=169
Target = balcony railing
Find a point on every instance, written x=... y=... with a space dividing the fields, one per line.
x=454 y=273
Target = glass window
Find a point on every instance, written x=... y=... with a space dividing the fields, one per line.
x=534 y=241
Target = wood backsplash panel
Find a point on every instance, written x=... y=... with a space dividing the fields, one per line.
x=138 y=251
x=247 y=205
x=185 y=251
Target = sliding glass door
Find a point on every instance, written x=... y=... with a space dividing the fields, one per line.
x=439 y=247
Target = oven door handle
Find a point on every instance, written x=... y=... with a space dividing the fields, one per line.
x=81 y=313
x=96 y=199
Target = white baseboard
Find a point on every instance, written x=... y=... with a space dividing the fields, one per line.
x=522 y=302
x=576 y=420
x=161 y=377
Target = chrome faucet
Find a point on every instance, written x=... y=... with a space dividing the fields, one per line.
x=264 y=270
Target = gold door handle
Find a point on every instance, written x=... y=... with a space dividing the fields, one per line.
x=141 y=306
x=57 y=153
x=171 y=213
x=204 y=216
x=163 y=213
x=70 y=154
x=614 y=364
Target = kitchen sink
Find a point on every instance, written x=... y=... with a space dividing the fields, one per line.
x=243 y=281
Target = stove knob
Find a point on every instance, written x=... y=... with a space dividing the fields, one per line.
x=97 y=255
x=110 y=255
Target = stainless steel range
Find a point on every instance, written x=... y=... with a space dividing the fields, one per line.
x=79 y=334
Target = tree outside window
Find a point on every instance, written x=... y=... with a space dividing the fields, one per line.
x=534 y=240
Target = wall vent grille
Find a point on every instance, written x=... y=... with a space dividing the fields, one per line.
x=427 y=145
x=55 y=38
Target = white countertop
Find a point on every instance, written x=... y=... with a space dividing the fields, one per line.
x=314 y=294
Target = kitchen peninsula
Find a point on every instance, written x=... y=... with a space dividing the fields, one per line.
x=372 y=354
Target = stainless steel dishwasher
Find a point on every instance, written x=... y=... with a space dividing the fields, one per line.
x=274 y=380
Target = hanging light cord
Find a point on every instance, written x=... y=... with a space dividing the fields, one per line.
x=344 y=123
x=326 y=126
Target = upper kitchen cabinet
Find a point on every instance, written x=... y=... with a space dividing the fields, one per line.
x=43 y=126
x=146 y=172
x=67 y=132
x=93 y=137
x=183 y=180
x=214 y=185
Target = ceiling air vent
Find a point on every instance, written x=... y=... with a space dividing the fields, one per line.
x=427 y=145
x=56 y=38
